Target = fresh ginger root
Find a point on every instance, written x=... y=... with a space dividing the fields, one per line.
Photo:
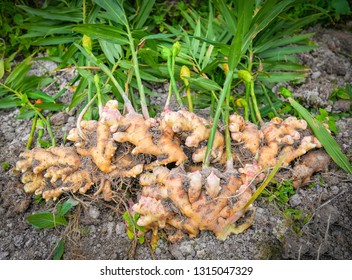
x=184 y=122
x=162 y=153
x=207 y=200
x=310 y=163
x=56 y=166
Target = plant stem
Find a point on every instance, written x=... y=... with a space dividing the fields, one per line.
x=246 y=108
x=229 y=161
x=265 y=183
x=189 y=98
x=30 y=139
x=255 y=105
x=269 y=100
x=212 y=103
x=144 y=106
x=84 y=12
x=106 y=70
x=90 y=96
x=48 y=127
x=223 y=93
x=173 y=81
x=249 y=108
x=97 y=86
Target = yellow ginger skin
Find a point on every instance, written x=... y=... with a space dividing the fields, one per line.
x=283 y=137
x=199 y=129
x=136 y=131
x=58 y=164
x=246 y=132
x=213 y=206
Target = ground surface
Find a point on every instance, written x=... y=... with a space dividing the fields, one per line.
x=98 y=232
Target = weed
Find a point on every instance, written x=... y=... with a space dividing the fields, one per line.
x=279 y=193
x=5 y=166
x=53 y=219
x=328 y=120
x=132 y=228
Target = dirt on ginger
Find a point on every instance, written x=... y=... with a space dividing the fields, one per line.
x=165 y=155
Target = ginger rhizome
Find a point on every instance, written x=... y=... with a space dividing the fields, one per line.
x=165 y=155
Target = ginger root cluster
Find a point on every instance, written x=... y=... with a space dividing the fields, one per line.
x=165 y=154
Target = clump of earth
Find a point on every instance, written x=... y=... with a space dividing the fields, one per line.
x=98 y=232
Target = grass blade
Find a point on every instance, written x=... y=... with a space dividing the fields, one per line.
x=324 y=137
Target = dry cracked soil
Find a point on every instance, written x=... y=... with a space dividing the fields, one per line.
x=98 y=232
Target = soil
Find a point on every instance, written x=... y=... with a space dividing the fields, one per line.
x=98 y=232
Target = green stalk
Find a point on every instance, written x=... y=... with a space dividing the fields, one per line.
x=178 y=96
x=167 y=103
x=223 y=93
x=246 y=108
x=97 y=86
x=255 y=105
x=31 y=135
x=90 y=96
x=265 y=183
x=269 y=100
x=144 y=106
x=249 y=108
x=189 y=98
x=229 y=161
x=48 y=128
x=212 y=104
x=171 y=68
x=84 y=12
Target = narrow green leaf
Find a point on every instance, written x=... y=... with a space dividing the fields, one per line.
x=46 y=220
x=70 y=14
x=279 y=53
x=2 y=67
x=228 y=15
x=18 y=73
x=25 y=115
x=108 y=33
x=283 y=66
x=324 y=137
x=51 y=106
x=59 y=250
x=205 y=83
x=57 y=40
x=80 y=94
x=38 y=94
x=266 y=14
x=277 y=77
x=9 y=102
x=158 y=36
x=281 y=42
x=143 y=13
x=266 y=182
x=115 y=10
x=111 y=51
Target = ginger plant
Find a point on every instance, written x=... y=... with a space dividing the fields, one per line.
x=165 y=154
